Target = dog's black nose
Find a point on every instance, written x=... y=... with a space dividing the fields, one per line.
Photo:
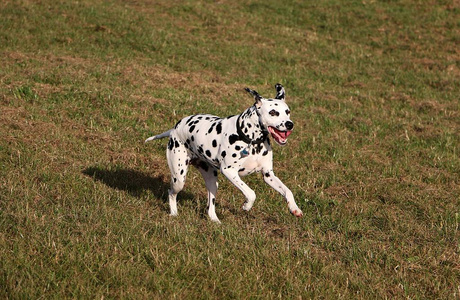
x=289 y=125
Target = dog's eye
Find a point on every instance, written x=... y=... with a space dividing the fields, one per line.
x=288 y=111
x=274 y=113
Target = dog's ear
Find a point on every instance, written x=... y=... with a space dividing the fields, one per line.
x=256 y=95
x=279 y=92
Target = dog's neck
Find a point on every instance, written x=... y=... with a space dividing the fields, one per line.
x=249 y=128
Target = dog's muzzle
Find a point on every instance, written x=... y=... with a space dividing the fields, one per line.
x=281 y=136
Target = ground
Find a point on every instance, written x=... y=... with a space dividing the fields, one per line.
x=373 y=161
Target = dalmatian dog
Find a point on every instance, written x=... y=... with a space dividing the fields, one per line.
x=237 y=146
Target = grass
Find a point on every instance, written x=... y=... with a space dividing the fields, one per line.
x=373 y=161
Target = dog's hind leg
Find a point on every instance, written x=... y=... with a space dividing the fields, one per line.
x=178 y=160
x=210 y=178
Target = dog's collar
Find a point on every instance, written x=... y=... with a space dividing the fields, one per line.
x=245 y=138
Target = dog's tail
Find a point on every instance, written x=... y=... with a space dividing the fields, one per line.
x=159 y=136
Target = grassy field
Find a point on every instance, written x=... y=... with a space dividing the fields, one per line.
x=373 y=161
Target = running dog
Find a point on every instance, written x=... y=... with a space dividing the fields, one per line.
x=237 y=146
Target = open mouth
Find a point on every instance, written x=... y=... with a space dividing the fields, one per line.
x=279 y=136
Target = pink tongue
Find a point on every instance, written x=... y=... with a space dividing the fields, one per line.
x=284 y=134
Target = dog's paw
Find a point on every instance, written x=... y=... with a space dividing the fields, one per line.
x=297 y=212
x=216 y=221
x=247 y=206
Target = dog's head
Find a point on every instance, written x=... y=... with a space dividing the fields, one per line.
x=274 y=114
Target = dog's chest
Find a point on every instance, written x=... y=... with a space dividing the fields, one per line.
x=251 y=164
x=248 y=159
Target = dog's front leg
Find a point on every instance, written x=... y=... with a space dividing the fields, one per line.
x=273 y=181
x=234 y=178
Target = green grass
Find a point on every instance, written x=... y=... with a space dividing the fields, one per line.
x=373 y=161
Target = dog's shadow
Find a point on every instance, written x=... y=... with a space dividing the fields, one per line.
x=134 y=182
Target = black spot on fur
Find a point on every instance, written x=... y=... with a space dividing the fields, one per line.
x=176 y=144
x=241 y=170
x=170 y=144
x=211 y=128
x=265 y=153
x=214 y=143
x=177 y=124
x=258 y=148
x=219 y=128
x=182 y=172
x=208 y=153
x=223 y=154
x=215 y=173
x=233 y=138
x=192 y=138
x=234 y=155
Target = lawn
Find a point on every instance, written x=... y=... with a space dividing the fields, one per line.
x=373 y=162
